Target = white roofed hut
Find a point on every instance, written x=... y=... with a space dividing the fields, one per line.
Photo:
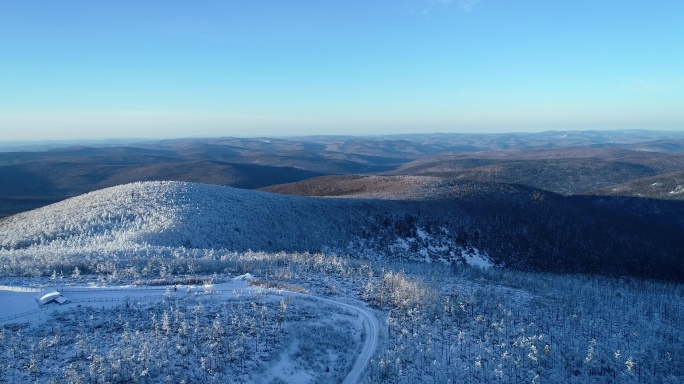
x=51 y=296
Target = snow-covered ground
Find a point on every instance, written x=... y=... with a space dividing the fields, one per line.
x=310 y=317
x=17 y=300
x=436 y=324
x=299 y=358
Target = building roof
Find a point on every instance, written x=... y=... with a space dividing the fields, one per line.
x=47 y=297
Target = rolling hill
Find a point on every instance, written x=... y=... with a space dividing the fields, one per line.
x=561 y=162
x=669 y=186
x=32 y=184
x=367 y=187
x=513 y=226
x=567 y=171
x=595 y=202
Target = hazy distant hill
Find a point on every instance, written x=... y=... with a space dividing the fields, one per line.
x=562 y=162
x=33 y=184
x=566 y=170
x=515 y=226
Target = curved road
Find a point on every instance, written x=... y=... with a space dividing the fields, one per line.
x=370 y=324
x=354 y=376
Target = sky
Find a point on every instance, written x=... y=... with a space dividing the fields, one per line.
x=169 y=68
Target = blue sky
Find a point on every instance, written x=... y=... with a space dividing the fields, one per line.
x=122 y=69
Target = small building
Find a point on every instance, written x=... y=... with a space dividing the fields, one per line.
x=50 y=296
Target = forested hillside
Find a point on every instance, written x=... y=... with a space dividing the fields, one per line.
x=506 y=225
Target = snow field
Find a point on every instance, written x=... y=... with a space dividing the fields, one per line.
x=442 y=324
x=223 y=333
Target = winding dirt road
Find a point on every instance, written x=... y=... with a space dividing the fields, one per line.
x=371 y=325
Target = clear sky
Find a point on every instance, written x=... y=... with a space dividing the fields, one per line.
x=143 y=68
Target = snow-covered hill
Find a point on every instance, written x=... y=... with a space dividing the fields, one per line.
x=476 y=223
x=172 y=214
x=139 y=218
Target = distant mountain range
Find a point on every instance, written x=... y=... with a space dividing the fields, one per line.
x=563 y=162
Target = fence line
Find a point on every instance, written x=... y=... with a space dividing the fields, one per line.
x=109 y=289
x=94 y=300
x=64 y=288
x=113 y=299
x=19 y=289
x=18 y=315
x=76 y=301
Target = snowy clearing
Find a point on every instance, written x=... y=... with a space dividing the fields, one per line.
x=297 y=360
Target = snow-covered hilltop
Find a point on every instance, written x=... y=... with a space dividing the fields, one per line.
x=123 y=213
x=479 y=223
x=136 y=219
x=168 y=214
x=183 y=214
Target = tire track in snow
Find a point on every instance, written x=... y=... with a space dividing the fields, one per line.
x=372 y=334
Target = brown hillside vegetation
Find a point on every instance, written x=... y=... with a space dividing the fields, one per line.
x=363 y=186
x=669 y=186
x=567 y=171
